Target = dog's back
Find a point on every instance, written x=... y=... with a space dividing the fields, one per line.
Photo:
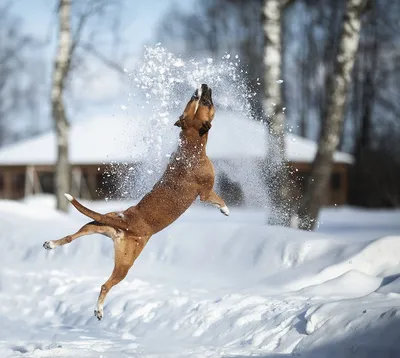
x=180 y=184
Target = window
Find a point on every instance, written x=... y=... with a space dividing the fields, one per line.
x=18 y=185
x=47 y=182
x=230 y=190
x=336 y=181
x=106 y=185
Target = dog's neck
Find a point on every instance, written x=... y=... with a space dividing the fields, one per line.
x=191 y=142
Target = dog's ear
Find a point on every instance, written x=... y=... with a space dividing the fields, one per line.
x=180 y=122
x=204 y=128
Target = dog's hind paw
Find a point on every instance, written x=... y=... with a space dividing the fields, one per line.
x=98 y=314
x=224 y=210
x=49 y=245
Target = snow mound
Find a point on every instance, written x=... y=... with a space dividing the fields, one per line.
x=393 y=285
x=220 y=251
x=206 y=286
x=351 y=284
x=357 y=328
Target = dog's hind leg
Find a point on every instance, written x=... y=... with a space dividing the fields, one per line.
x=90 y=228
x=213 y=198
x=127 y=249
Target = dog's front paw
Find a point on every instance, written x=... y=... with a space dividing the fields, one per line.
x=49 y=245
x=98 y=313
x=224 y=210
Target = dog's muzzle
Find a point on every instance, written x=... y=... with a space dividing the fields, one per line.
x=206 y=96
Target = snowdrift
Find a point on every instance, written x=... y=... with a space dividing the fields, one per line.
x=226 y=285
x=221 y=249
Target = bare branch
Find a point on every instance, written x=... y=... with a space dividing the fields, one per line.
x=286 y=3
x=109 y=63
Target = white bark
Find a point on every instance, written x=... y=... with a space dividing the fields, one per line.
x=275 y=168
x=60 y=73
x=322 y=166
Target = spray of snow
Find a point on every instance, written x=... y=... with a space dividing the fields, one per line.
x=161 y=85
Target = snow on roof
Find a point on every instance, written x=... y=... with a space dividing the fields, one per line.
x=95 y=141
x=116 y=139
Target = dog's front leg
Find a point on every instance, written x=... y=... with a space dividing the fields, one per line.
x=213 y=198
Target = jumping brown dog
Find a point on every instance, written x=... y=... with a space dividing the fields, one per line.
x=189 y=174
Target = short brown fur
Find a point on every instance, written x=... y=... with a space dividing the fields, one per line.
x=189 y=174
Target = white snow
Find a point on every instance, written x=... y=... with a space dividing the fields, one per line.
x=123 y=139
x=207 y=286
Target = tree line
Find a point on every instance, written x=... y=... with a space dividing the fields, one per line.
x=339 y=62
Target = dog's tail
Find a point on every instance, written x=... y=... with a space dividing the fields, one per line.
x=117 y=223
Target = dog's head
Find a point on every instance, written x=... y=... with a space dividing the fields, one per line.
x=199 y=111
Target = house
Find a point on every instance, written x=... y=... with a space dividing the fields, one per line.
x=236 y=145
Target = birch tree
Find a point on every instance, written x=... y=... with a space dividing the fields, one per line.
x=276 y=170
x=338 y=87
x=68 y=42
x=60 y=72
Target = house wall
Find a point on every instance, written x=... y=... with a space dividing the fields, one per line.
x=12 y=182
x=337 y=191
x=88 y=179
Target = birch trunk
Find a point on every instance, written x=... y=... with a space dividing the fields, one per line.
x=275 y=168
x=60 y=73
x=318 y=180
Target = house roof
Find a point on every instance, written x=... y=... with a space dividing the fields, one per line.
x=117 y=139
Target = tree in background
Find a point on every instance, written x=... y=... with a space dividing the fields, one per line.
x=276 y=164
x=216 y=27
x=67 y=58
x=62 y=67
x=314 y=35
x=331 y=129
x=19 y=85
x=375 y=110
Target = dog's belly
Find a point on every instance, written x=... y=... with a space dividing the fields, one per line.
x=166 y=202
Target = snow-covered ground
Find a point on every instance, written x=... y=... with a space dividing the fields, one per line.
x=207 y=286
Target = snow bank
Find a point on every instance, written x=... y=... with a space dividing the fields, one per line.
x=224 y=251
x=206 y=286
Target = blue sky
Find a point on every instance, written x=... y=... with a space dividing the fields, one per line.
x=140 y=17
x=99 y=91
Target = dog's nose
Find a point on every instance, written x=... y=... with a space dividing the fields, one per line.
x=206 y=95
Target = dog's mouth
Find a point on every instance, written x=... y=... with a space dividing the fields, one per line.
x=203 y=94
x=202 y=97
x=206 y=96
